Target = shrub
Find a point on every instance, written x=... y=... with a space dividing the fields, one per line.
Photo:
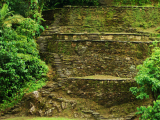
x=150 y=113
x=19 y=58
x=148 y=79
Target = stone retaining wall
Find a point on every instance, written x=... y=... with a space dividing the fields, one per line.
x=115 y=54
x=105 y=92
x=105 y=58
x=75 y=16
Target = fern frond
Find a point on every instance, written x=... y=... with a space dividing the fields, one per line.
x=16 y=19
x=4 y=12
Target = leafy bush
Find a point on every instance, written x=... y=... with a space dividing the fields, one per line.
x=148 y=79
x=19 y=6
x=150 y=113
x=19 y=58
x=23 y=6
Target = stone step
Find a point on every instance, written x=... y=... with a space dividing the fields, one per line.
x=52 y=28
x=101 y=33
x=106 y=41
x=106 y=6
x=97 y=37
x=98 y=116
x=154 y=38
x=107 y=28
x=91 y=93
x=113 y=119
x=130 y=116
x=102 y=78
x=57 y=62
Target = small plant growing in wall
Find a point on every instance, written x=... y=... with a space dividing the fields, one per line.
x=158 y=29
x=106 y=44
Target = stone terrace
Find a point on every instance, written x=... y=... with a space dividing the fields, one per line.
x=95 y=53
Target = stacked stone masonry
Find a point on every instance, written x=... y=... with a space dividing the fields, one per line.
x=83 y=54
x=107 y=92
x=106 y=58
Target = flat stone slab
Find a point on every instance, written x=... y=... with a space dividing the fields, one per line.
x=101 y=78
x=102 y=33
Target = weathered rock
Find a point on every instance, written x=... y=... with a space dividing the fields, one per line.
x=132 y=68
x=73 y=104
x=81 y=49
x=16 y=110
x=67 y=72
x=57 y=107
x=96 y=115
x=36 y=94
x=88 y=43
x=45 y=93
x=40 y=113
x=32 y=110
x=49 y=112
x=52 y=96
x=64 y=105
x=75 y=114
x=69 y=91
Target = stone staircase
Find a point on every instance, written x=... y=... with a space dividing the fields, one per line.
x=96 y=65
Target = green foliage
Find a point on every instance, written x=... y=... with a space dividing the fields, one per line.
x=142 y=18
x=29 y=28
x=19 y=6
x=4 y=13
x=148 y=77
x=157 y=28
x=63 y=48
x=34 y=12
x=133 y=2
x=106 y=44
x=19 y=62
x=150 y=113
x=17 y=97
x=24 y=6
x=19 y=59
x=60 y=3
